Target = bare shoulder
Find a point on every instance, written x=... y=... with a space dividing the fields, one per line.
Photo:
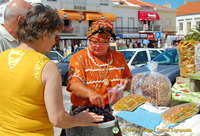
x=50 y=72
x=50 y=65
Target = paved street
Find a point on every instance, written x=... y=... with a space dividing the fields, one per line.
x=67 y=105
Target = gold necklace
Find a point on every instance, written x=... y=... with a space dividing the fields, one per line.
x=104 y=72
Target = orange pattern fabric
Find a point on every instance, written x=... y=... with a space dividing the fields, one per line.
x=83 y=67
x=103 y=36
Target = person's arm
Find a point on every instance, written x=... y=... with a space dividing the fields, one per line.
x=51 y=80
x=81 y=90
x=76 y=82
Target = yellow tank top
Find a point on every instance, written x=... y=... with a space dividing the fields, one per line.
x=22 y=107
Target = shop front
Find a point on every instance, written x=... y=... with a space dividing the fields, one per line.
x=148 y=21
x=132 y=40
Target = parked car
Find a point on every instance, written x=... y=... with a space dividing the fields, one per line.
x=63 y=66
x=137 y=57
x=167 y=65
x=54 y=56
x=117 y=46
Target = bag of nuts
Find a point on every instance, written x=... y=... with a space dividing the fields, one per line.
x=154 y=87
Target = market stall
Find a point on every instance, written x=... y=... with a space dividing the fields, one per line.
x=154 y=107
x=181 y=109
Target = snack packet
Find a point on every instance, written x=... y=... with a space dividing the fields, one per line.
x=179 y=113
x=186 y=52
x=129 y=103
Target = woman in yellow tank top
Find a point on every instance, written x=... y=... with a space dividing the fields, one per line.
x=30 y=84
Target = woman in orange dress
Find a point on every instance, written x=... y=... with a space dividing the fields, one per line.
x=95 y=69
x=30 y=84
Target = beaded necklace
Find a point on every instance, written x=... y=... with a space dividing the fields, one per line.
x=104 y=71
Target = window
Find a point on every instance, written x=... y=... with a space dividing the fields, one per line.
x=119 y=25
x=104 y=2
x=153 y=54
x=67 y=22
x=160 y=22
x=198 y=23
x=140 y=58
x=119 y=21
x=131 y=24
x=128 y=55
x=180 y=26
x=54 y=56
x=188 y=26
x=168 y=22
x=169 y=57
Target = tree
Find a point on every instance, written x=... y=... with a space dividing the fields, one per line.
x=194 y=34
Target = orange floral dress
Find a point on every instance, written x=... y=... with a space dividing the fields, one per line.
x=89 y=70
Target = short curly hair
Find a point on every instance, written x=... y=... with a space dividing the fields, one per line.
x=38 y=20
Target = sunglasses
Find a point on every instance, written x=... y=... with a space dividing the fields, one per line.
x=97 y=43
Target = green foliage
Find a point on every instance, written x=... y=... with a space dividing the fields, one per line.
x=194 y=34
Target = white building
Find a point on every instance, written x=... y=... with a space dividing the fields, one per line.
x=138 y=20
x=187 y=17
x=77 y=15
x=133 y=19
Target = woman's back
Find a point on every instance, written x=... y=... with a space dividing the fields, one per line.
x=23 y=109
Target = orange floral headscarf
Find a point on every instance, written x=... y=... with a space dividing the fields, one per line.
x=101 y=31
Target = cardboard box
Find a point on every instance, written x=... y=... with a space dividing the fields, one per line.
x=182 y=80
x=194 y=84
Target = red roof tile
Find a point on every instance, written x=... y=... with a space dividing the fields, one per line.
x=189 y=8
x=143 y=3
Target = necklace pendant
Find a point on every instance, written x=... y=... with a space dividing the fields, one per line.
x=106 y=82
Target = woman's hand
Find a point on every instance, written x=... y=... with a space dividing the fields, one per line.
x=97 y=99
x=86 y=118
x=126 y=83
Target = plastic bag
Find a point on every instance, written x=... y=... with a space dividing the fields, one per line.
x=115 y=94
x=179 y=113
x=155 y=87
x=129 y=103
x=186 y=52
x=197 y=58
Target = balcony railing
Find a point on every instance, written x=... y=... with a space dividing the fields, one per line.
x=120 y=30
x=150 y=28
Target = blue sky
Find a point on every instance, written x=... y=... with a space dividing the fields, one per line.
x=175 y=3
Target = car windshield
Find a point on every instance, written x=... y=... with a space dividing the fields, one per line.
x=122 y=47
x=169 y=57
x=53 y=56
x=128 y=55
x=66 y=59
